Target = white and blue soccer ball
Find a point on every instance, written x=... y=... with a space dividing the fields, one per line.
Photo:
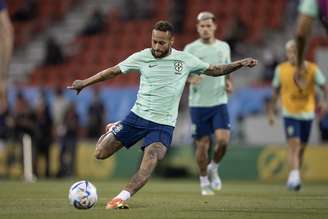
x=83 y=195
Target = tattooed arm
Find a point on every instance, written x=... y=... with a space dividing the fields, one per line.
x=106 y=74
x=219 y=70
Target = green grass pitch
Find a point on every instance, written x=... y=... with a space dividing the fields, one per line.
x=162 y=198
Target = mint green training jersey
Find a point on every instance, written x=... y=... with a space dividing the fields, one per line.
x=309 y=7
x=161 y=82
x=210 y=91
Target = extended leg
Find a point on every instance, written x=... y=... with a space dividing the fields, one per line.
x=152 y=154
x=107 y=145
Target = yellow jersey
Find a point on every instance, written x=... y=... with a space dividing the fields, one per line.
x=296 y=102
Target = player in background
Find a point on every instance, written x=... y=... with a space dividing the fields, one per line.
x=6 y=47
x=309 y=11
x=298 y=108
x=163 y=73
x=209 y=113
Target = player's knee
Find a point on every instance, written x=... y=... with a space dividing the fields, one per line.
x=204 y=140
x=203 y=143
x=100 y=153
x=156 y=151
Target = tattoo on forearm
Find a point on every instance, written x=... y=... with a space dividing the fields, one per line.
x=219 y=70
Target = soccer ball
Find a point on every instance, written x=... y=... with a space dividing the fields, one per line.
x=83 y=195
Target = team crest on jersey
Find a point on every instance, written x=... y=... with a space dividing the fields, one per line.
x=178 y=65
x=117 y=128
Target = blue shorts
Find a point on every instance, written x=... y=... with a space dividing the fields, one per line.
x=133 y=128
x=205 y=120
x=298 y=128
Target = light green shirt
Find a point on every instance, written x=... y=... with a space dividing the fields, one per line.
x=210 y=91
x=161 y=82
x=319 y=80
x=309 y=7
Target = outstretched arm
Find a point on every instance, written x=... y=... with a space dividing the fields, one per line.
x=106 y=74
x=219 y=70
x=304 y=26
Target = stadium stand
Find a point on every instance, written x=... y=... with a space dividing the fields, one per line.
x=123 y=37
x=47 y=13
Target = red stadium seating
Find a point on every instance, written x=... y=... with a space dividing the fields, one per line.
x=125 y=37
x=48 y=12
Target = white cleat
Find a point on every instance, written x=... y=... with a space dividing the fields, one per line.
x=216 y=183
x=206 y=190
x=294 y=187
x=294 y=181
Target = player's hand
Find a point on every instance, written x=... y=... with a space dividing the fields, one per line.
x=228 y=86
x=323 y=109
x=248 y=62
x=194 y=79
x=77 y=85
x=110 y=126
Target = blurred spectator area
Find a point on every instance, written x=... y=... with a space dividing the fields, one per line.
x=45 y=13
x=256 y=15
x=117 y=102
x=123 y=37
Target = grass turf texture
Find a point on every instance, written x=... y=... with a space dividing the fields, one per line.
x=166 y=199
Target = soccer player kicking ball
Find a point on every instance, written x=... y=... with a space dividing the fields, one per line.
x=164 y=72
x=209 y=113
x=298 y=105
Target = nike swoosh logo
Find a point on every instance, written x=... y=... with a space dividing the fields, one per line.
x=151 y=66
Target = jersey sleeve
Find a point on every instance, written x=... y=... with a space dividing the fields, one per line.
x=2 y=5
x=196 y=66
x=228 y=55
x=309 y=7
x=276 y=78
x=319 y=77
x=132 y=63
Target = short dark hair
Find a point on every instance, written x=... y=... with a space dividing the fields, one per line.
x=164 y=26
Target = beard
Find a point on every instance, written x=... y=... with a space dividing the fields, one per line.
x=165 y=53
